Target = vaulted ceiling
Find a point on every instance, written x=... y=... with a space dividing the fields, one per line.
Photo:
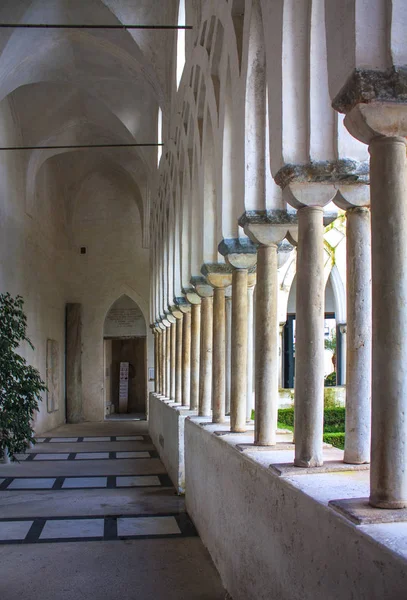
x=89 y=86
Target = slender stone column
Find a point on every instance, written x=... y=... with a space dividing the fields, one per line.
x=388 y=182
x=250 y=352
x=205 y=366
x=239 y=351
x=281 y=355
x=178 y=361
x=359 y=337
x=219 y=355
x=164 y=361
x=228 y=359
x=155 y=334
x=159 y=379
x=267 y=363
x=168 y=361
x=195 y=348
x=173 y=359
x=309 y=354
x=186 y=358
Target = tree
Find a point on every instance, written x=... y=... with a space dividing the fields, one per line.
x=20 y=384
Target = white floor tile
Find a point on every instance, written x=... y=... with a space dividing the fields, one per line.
x=39 y=439
x=44 y=483
x=62 y=440
x=85 y=482
x=21 y=457
x=73 y=528
x=147 y=526
x=96 y=439
x=129 y=438
x=91 y=455
x=132 y=455
x=14 y=530
x=51 y=456
x=134 y=480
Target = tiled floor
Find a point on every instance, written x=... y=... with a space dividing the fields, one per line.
x=100 y=488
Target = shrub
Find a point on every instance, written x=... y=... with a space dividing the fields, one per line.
x=20 y=384
x=334 y=418
x=336 y=439
x=330 y=380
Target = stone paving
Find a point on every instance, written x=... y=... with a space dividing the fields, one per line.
x=116 y=496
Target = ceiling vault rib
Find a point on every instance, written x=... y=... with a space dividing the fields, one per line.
x=79 y=146
x=84 y=26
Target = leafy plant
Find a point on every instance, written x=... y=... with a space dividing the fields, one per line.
x=20 y=384
x=336 y=439
x=330 y=380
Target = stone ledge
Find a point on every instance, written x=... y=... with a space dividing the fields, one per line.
x=367 y=85
x=256 y=448
x=329 y=466
x=359 y=512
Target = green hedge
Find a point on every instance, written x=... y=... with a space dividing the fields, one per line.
x=334 y=419
x=336 y=439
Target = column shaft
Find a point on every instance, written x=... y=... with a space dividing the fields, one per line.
x=159 y=379
x=267 y=360
x=178 y=361
x=388 y=185
x=205 y=365
x=186 y=358
x=219 y=355
x=195 y=347
x=168 y=362
x=228 y=368
x=359 y=337
x=309 y=351
x=155 y=362
x=164 y=365
x=173 y=360
x=239 y=351
x=250 y=352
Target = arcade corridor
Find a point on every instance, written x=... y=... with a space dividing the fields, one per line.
x=90 y=513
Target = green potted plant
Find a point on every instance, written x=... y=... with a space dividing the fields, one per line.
x=20 y=384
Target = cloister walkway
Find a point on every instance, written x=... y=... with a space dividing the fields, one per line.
x=90 y=513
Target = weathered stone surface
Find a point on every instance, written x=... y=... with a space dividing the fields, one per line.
x=359 y=511
x=74 y=363
x=368 y=85
x=344 y=171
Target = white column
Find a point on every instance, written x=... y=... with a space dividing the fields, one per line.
x=228 y=359
x=359 y=336
x=267 y=363
x=178 y=359
x=309 y=354
x=186 y=358
x=239 y=351
x=195 y=349
x=173 y=359
x=205 y=365
x=388 y=182
x=250 y=352
x=219 y=363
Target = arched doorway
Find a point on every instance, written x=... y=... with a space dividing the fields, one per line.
x=125 y=360
x=331 y=322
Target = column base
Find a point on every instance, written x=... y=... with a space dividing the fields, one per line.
x=387 y=504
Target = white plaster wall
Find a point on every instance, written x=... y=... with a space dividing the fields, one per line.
x=270 y=540
x=107 y=222
x=166 y=428
x=40 y=260
x=33 y=252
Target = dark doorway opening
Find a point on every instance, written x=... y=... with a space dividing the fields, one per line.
x=132 y=351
